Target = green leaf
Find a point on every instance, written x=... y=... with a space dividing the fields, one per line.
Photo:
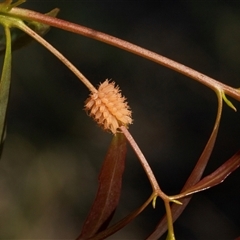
x=109 y=189
x=5 y=86
x=228 y=102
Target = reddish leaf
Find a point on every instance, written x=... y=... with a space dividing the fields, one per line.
x=108 y=194
x=193 y=178
x=218 y=176
x=122 y=223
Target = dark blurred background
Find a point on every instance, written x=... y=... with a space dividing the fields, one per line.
x=53 y=150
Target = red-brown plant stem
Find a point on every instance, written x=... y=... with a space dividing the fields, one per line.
x=55 y=52
x=72 y=27
x=156 y=189
x=194 y=176
x=144 y=163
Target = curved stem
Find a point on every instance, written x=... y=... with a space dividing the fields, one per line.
x=142 y=159
x=72 y=27
x=194 y=177
x=157 y=190
x=170 y=235
x=201 y=164
x=55 y=52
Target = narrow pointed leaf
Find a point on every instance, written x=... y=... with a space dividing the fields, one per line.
x=108 y=194
x=122 y=223
x=194 y=176
x=228 y=102
x=5 y=86
x=217 y=177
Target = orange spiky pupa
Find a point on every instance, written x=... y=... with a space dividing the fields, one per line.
x=108 y=107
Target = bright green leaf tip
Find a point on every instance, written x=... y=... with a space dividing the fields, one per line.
x=154 y=201
x=176 y=201
x=227 y=101
x=170 y=236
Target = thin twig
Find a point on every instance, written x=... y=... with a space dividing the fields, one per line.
x=127 y=46
x=55 y=52
x=144 y=163
x=194 y=177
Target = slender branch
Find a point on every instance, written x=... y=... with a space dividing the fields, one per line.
x=55 y=52
x=68 y=26
x=169 y=221
x=153 y=181
x=203 y=160
x=194 y=177
x=72 y=27
x=144 y=163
